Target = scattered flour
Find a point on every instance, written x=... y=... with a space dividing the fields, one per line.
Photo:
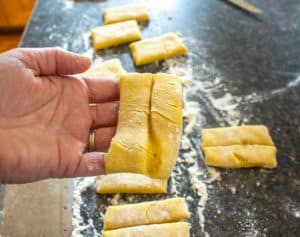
x=80 y=186
x=233 y=190
x=213 y=175
x=250 y=226
x=191 y=113
x=200 y=189
x=115 y=200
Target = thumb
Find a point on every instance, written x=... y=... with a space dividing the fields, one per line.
x=91 y=164
x=52 y=61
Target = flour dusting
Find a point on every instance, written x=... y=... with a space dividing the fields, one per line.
x=80 y=186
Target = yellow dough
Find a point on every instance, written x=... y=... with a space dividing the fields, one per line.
x=238 y=147
x=249 y=134
x=115 y=34
x=110 y=68
x=129 y=183
x=165 y=123
x=125 y=13
x=129 y=149
x=169 y=210
x=238 y=156
x=150 y=50
x=148 y=135
x=178 y=229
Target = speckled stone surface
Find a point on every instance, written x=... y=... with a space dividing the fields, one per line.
x=255 y=64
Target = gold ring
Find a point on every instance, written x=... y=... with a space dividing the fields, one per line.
x=91 y=141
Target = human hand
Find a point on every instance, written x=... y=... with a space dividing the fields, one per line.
x=45 y=116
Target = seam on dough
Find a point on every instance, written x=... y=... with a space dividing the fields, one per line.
x=162 y=115
x=240 y=158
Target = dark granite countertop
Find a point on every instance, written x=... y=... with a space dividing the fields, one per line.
x=249 y=70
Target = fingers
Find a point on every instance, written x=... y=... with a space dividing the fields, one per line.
x=103 y=138
x=52 y=61
x=102 y=90
x=90 y=164
x=93 y=163
x=104 y=114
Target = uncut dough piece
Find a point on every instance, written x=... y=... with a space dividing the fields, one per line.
x=129 y=149
x=115 y=34
x=156 y=212
x=110 y=68
x=178 y=229
x=241 y=156
x=125 y=13
x=247 y=134
x=130 y=183
x=150 y=50
x=165 y=123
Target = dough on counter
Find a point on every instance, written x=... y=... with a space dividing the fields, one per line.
x=129 y=183
x=115 y=34
x=237 y=147
x=110 y=68
x=150 y=50
x=246 y=134
x=155 y=212
x=124 y=13
x=165 y=123
x=239 y=156
x=130 y=147
x=178 y=229
x=148 y=135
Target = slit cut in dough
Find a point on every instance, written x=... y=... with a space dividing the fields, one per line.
x=163 y=47
x=148 y=135
x=109 y=68
x=124 y=13
x=239 y=156
x=115 y=34
x=178 y=229
x=238 y=147
x=156 y=212
x=129 y=183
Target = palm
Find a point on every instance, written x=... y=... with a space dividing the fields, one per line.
x=49 y=119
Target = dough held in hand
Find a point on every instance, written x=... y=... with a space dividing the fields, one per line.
x=124 y=13
x=155 y=212
x=129 y=183
x=178 y=229
x=149 y=127
x=158 y=48
x=115 y=34
x=129 y=150
x=165 y=123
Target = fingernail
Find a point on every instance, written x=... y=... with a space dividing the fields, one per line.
x=95 y=161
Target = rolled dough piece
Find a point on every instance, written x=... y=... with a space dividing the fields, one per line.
x=130 y=147
x=239 y=156
x=115 y=34
x=156 y=212
x=110 y=68
x=165 y=123
x=246 y=134
x=148 y=135
x=124 y=13
x=178 y=229
x=129 y=183
x=150 y=50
